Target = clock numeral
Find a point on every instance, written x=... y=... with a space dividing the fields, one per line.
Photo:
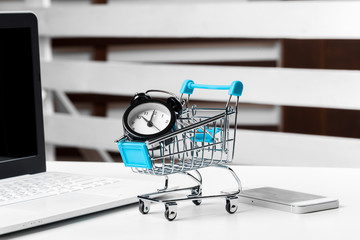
x=138 y=116
x=167 y=121
x=146 y=113
x=162 y=115
x=132 y=123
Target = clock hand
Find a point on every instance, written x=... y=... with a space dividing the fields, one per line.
x=152 y=115
x=156 y=127
x=150 y=124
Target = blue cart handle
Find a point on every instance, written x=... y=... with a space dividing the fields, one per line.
x=235 y=89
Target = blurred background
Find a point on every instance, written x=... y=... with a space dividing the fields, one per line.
x=62 y=41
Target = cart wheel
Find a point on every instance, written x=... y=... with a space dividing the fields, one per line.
x=170 y=211
x=194 y=192
x=231 y=204
x=144 y=207
x=197 y=202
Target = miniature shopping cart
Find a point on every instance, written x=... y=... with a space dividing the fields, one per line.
x=202 y=137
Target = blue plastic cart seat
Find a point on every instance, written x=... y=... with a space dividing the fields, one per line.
x=209 y=135
x=135 y=154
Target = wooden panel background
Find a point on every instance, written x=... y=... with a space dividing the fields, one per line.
x=322 y=54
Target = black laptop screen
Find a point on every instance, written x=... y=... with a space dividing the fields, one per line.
x=17 y=103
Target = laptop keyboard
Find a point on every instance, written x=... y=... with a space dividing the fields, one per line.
x=47 y=184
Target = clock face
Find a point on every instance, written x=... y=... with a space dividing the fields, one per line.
x=148 y=119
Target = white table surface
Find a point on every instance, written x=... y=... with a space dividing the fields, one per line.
x=210 y=220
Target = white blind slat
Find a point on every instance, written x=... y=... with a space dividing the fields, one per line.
x=252 y=147
x=277 y=86
x=295 y=19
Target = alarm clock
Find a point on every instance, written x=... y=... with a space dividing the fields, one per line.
x=148 y=118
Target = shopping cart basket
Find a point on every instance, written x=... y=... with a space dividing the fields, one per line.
x=202 y=137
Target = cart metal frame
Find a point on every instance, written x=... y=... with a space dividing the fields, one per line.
x=202 y=137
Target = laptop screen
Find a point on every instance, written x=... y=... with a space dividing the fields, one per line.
x=17 y=103
x=22 y=148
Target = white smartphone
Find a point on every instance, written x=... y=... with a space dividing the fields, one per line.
x=285 y=200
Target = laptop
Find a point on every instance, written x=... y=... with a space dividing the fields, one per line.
x=30 y=196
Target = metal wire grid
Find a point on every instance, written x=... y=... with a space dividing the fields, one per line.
x=199 y=141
